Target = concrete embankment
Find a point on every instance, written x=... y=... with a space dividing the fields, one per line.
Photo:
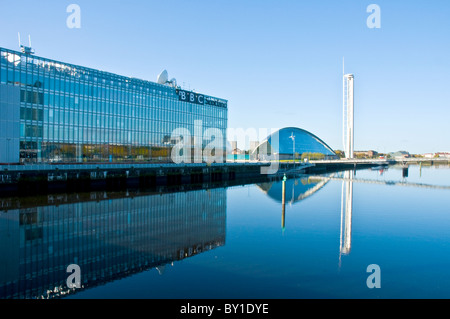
x=24 y=180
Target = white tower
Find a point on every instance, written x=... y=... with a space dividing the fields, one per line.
x=348 y=121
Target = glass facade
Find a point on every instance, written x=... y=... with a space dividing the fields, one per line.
x=293 y=140
x=71 y=113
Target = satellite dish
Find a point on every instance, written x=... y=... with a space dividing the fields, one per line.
x=174 y=82
x=163 y=77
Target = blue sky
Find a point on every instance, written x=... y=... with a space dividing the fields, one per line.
x=279 y=63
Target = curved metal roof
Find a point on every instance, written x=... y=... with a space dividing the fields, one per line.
x=304 y=142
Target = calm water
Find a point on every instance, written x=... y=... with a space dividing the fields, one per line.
x=238 y=242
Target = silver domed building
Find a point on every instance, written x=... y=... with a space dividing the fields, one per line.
x=293 y=141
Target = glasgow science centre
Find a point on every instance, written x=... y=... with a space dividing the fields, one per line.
x=55 y=112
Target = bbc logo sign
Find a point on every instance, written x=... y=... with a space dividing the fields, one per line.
x=190 y=97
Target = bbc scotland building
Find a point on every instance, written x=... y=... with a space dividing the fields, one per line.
x=58 y=112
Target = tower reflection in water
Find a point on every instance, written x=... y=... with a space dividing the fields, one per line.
x=109 y=238
x=346 y=215
x=297 y=189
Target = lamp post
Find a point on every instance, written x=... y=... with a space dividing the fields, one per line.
x=293 y=141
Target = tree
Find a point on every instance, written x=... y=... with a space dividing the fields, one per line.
x=339 y=153
x=312 y=156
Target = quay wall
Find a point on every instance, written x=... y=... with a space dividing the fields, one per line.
x=25 y=180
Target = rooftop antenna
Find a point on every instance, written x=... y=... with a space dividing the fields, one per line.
x=26 y=49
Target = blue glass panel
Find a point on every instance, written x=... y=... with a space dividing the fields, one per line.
x=302 y=140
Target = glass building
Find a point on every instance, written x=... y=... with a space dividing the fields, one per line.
x=292 y=141
x=58 y=112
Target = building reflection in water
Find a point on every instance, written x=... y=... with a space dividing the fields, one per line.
x=108 y=238
x=283 y=204
x=295 y=190
x=291 y=191
x=346 y=215
x=405 y=171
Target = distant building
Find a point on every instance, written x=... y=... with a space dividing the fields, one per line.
x=437 y=155
x=233 y=146
x=372 y=153
x=443 y=154
x=237 y=151
x=253 y=146
x=400 y=155
x=365 y=154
